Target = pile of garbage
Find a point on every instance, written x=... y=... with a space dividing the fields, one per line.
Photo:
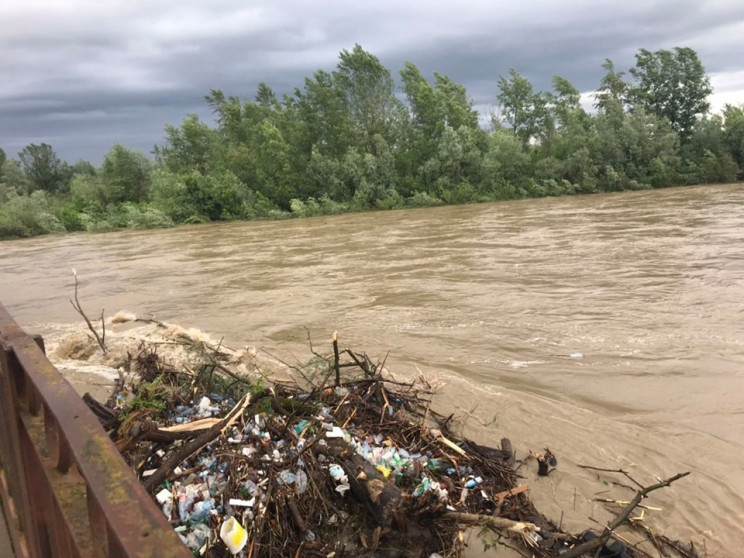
x=323 y=463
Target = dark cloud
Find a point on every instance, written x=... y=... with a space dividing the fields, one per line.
x=83 y=74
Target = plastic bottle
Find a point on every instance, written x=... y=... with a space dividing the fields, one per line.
x=182 y=508
x=250 y=488
x=201 y=511
x=300 y=481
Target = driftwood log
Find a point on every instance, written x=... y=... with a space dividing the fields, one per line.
x=380 y=497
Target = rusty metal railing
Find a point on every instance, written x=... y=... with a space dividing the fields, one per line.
x=65 y=490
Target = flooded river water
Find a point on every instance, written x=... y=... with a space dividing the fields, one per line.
x=609 y=327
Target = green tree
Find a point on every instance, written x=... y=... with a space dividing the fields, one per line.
x=266 y=98
x=195 y=197
x=428 y=114
x=454 y=174
x=734 y=133
x=457 y=107
x=434 y=109
x=672 y=84
x=192 y=147
x=369 y=93
x=707 y=154
x=3 y=158
x=28 y=215
x=14 y=178
x=216 y=197
x=83 y=167
x=425 y=126
x=506 y=167
x=273 y=158
x=638 y=152
x=87 y=191
x=522 y=108
x=254 y=146
x=323 y=117
x=126 y=173
x=612 y=94
x=573 y=141
x=44 y=169
x=230 y=116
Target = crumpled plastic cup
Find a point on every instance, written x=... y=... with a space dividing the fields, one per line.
x=233 y=535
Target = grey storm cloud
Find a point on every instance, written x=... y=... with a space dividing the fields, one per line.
x=83 y=74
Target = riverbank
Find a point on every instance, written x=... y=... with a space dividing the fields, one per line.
x=39 y=215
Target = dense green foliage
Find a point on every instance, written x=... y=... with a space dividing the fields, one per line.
x=348 y=140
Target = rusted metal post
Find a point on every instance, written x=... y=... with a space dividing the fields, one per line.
x=13 y=482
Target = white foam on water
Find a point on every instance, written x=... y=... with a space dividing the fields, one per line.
x=83 y=367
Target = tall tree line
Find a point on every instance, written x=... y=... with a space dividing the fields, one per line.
x=350 y=140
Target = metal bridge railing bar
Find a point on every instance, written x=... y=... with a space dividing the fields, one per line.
x=64 y=488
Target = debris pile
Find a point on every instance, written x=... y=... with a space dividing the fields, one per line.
x=323 y=464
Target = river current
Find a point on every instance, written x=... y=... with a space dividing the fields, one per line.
x=607 y=327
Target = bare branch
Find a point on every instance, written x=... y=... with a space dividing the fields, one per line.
x=76 y=305
x=600 y=541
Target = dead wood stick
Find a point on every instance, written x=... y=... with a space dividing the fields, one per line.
x=76 y=305
x=192 y=447
x=336 y=359
x=360 y=364
x=497 y=523
x=600 y=541
x=437 y=434
x=380 y=366
x=297 y=516
x=386 y=406
x=165 y=437
x=105 y=415
x=201 y=424
x=376 y=380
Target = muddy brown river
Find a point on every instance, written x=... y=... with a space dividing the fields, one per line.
x=608 y=327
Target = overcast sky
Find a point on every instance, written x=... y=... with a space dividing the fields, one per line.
x=83 y=74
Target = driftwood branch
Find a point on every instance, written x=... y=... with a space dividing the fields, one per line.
x=101 y=339
x=336 y=359
x=600 y=541
x=192 y=447
x=105 y=415
x=493 y=522
x=522 y=529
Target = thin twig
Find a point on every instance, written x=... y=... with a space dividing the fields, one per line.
x=621 y=471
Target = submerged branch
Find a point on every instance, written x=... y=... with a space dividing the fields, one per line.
x=600 y=541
